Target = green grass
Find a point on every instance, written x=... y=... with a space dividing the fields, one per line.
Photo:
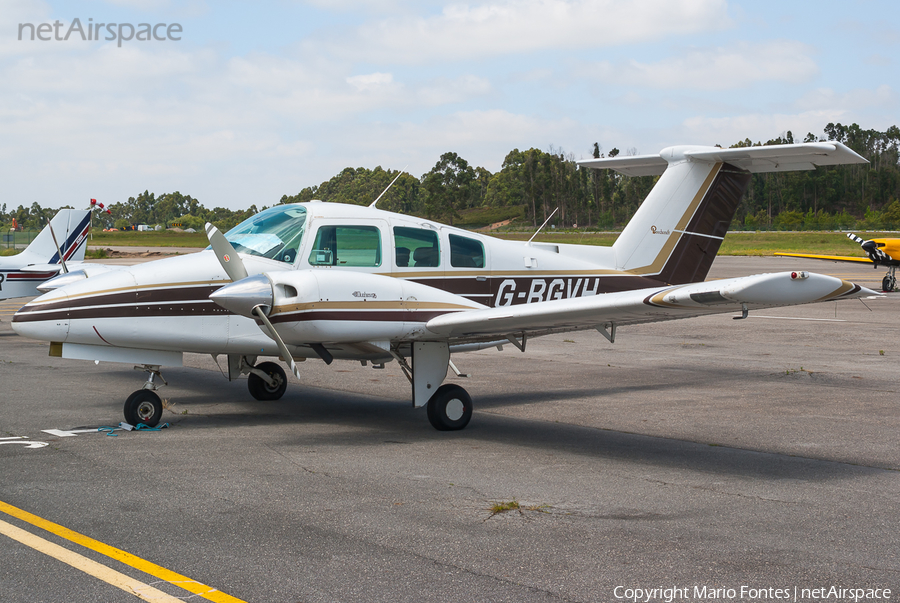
x=162 y=238
x=503 y=507
x=766 y=243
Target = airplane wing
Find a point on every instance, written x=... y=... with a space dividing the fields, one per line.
x=835 y=258
x=645 y=305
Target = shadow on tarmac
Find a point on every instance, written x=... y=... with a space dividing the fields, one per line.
x=359 y=422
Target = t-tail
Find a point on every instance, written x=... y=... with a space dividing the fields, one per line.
x=71 y=227
x=676 y=232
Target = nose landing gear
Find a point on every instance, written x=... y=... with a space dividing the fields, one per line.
x=144 y=405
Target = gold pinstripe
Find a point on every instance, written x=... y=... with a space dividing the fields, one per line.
x=663 y=255
x=370 y=305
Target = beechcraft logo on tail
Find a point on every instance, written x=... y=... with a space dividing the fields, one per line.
x=655 y=230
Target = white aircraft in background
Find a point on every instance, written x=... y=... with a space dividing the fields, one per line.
x=335 y=281
x=21 y=274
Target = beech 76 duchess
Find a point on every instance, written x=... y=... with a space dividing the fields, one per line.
x=333 y=281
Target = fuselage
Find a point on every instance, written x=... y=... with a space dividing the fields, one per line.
x=165 y=305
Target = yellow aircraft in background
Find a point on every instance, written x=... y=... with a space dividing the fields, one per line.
x=884 y=252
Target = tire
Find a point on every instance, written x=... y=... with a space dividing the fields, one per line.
x=450 y=408
x=261 y=390
x=143 y=406
x=887 y=284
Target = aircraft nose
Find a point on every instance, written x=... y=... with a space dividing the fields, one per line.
x=242 y=296
x=869 y=246
x=43 y=319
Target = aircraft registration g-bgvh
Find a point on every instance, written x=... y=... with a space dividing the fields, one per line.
x=885 y=252
x=324 y=280
x=20 y=275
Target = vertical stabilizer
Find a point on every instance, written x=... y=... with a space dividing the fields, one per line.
x=676 y=232
x=71 y=228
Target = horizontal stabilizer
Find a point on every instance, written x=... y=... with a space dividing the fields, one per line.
x=41 y=268
x=772 y=158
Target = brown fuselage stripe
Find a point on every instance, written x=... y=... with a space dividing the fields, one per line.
x=195 y=308
x=194 y=301
x=129 y=298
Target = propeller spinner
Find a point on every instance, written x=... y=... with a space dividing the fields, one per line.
x=249 y=296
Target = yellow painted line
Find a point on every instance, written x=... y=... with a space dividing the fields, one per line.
x=207 y=592
x=88 y=566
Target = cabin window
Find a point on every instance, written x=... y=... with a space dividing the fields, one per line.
x=466 y=252
x=358 y=246
x=416 y=248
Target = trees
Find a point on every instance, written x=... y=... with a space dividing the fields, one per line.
x=451 y=185
x=540 y=181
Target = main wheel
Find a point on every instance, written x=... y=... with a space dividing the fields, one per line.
x=450 y=408
x=143 y=406
x=261 y=390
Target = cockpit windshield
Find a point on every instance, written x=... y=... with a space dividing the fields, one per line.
x=275 y=233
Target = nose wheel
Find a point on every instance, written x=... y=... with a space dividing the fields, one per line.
x=143 y=406
x=889 y=282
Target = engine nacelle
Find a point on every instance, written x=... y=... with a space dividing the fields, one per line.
x=334 y=306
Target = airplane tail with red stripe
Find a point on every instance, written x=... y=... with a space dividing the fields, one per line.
x=71 y=227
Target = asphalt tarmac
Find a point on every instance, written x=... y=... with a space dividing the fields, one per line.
x=695 y=455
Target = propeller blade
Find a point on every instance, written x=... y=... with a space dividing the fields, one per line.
x=62 y=260
x=228 y=257
x=285 y=353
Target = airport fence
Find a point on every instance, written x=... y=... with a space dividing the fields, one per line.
x=18 y=239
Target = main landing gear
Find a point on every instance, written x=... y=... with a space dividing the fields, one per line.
x=889 y=282
x=450 y=408
x=144 y=405
x=267 y=381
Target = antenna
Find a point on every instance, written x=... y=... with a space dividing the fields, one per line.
x=389 y=186
x=542 y=225
x=62 y=260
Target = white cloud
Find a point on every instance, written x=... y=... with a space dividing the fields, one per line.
x=758 y=127
x=370 y=81
x=716 y=68
x=827 y=99
x=462 y=31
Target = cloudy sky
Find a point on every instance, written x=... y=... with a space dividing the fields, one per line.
x=260 y=99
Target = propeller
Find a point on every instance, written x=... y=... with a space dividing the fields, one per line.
x=228 y=257
x=285 y=353
x=250 y=289
x=871 y=249
x=62 y=260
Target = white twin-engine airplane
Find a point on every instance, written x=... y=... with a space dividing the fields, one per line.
x=21 y=274
x=333 y=281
